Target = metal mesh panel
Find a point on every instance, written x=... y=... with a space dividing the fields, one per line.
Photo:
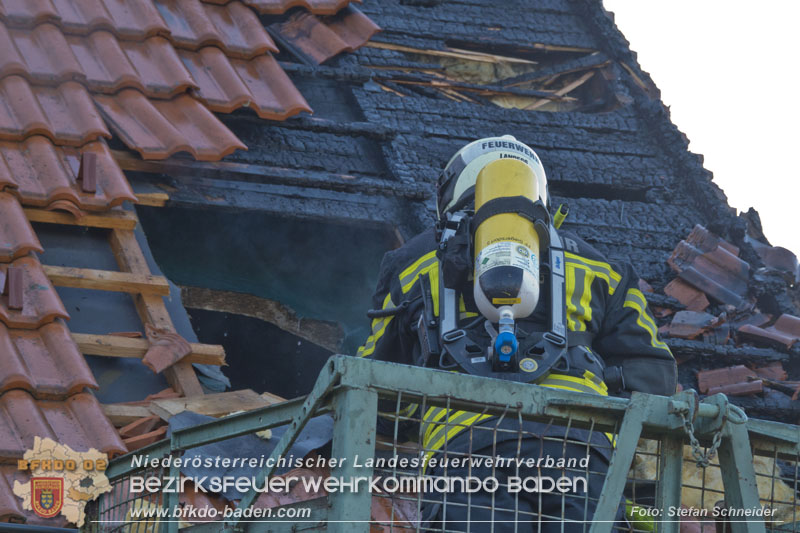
x=439 y=438
x=112 y=512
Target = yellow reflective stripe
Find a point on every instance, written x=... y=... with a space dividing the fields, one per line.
x=585 y=384
x=586 y=299
x=433 y=415
x=462 y=309
x=378 y=329
x=406 y=411
x=451 y=432
x=636 y=300
x=601 y=269
x=409 y=276
x=454 y=424
x=579 y=308
x=572 y=308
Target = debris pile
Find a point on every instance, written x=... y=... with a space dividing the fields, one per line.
x=727 y=323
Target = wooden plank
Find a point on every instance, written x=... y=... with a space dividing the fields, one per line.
x=110 y=219
x=565 y=90
x=215 y=405
x=453 y=53
x=106 y=280
x=151 y=308
x=329 y=335
x=152 y=199
x=116 y=346
x=122 y=414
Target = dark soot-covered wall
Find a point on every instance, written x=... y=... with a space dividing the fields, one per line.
x=260 y=355
x=321 y=271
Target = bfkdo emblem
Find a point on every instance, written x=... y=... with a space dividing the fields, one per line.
x=48 y=495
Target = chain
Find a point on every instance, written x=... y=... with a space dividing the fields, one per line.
x=703 y=459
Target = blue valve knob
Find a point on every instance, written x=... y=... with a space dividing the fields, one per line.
x=505 y=346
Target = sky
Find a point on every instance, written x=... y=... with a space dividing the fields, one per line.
x=728 y=70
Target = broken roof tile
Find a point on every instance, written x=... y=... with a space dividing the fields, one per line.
x=321 y=39
x=41 y=303
x=126 y=19
x=708 y=265
x=17 y=237
x=65 y=113
x=690 y=324
x=693 y=299
x=227 y=84
x=77 y=422
x=45 y=362
x=709 y=379
x=785 y=332
x=159 y=128
x=778 y=258
x=352 y=26
x=773 y=371
x=233 y=27
x=40 y=174
x=707 y=241
x=747 y=388
x=166 y=349
x=317 y=7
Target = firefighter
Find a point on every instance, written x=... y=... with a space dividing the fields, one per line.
x=502 y=286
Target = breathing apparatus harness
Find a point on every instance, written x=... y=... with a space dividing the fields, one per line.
x=447 y=346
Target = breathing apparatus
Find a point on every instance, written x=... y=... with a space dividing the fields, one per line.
x=492 y=200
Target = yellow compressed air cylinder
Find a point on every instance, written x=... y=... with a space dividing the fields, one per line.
x=506 y=245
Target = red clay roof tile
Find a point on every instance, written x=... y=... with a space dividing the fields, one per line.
x=45 y=56
x=129 y=19
x=317 y=7
x=41 y=303
x=153 y=66
x=233 y=27
x=17 y=237
x=40 y=54
x=693 y=299
x=690 y=324
x=778 y=258
x=739 y=389
x=228 y=84
x=773 y=371
x=77 y=422
x=785 y=331
x=322 y=39
x=159 y=128
x=27 y=12
x=65 y=113
x=352 y=26
x=40 y=174
x=719 y=377
x=702 y=261
x=45 y=361
x=166 y=349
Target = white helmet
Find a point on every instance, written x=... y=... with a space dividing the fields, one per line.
x=456 y=186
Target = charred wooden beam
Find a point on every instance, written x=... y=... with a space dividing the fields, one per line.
x=723 y=355
x=328 y=335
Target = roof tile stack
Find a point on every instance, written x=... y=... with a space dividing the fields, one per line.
x=73 y=73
